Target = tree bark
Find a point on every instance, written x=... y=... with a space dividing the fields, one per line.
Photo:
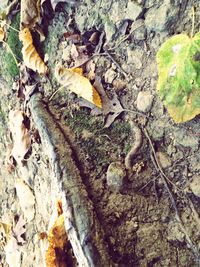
x=82 y=225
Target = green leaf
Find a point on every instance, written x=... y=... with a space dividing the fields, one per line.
x=179 y=76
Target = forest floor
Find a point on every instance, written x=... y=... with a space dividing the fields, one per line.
x=150 y=212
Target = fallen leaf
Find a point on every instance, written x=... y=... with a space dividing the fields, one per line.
x=73 y=37
x=58 y=253
x=30 y=12
x=111 y=108
x=178 y=70
x=78 y=84
x=19 y=230
x=79 y=54
x=31 y=57
x=2 y=34
x=13 y=253
x=54 y=3
x=13 y=246
x=5 y=233
x=26 y=199
x=20 y=135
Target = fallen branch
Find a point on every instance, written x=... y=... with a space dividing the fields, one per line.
x=82 y=226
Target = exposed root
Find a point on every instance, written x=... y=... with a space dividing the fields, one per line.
x=136 y=146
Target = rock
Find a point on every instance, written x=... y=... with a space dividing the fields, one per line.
x=195 y=185
x=115 y=176
x=163 y=159
x=110 y=30
x=117 y=12
x=26 y=199
x=161 y=18
x=144 y=101
x=135 y=58
x=110 y=75
x=140 y=34
x=133 y=11
x=174 y=233
x=182 y=137
x=139 y=29
x=119 y=84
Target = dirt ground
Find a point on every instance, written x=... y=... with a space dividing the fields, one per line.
x=147 y=223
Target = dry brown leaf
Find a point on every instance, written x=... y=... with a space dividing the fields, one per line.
x=30 y=56
x=30 y=12
x=57 y=254
x=79 y=54
x=19 y=230
x=78 y=84
x=5 y=233
x=2 y=34
x=111 y=107
x=20 y=135
x=13 y=247
x=26 y=199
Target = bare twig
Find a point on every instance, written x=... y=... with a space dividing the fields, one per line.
x=54 y=93
x=115 y=62
x=126 y=37
x=177 y=215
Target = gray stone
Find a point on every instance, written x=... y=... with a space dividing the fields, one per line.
x=115 y=176
x=110 y=75
x=135 y=58
x=159 y=19
x=110 y=29
x=195 y=185
x=133 y=11
x=182 y=137
x=140 y=34
x=144 y=101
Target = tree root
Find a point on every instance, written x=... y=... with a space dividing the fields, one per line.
x=136 y=146
x=82 y=226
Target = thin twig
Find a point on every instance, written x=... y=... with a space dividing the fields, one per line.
x=177 y=215
x=147 y=183
x=136 y=112
x=157 y=162
x=115 y=62
x=125 y=38
x=85 y=61
x=61 y=87
x=9 y=26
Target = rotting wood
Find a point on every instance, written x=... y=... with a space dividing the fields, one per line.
x=82 y=226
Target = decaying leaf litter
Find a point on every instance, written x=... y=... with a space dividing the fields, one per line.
x=117 y=215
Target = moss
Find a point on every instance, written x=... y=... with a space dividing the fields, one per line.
x=9 y=68
x=116 y=139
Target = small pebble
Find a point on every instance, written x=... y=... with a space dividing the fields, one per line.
x=115 y=176
x=144 y=101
